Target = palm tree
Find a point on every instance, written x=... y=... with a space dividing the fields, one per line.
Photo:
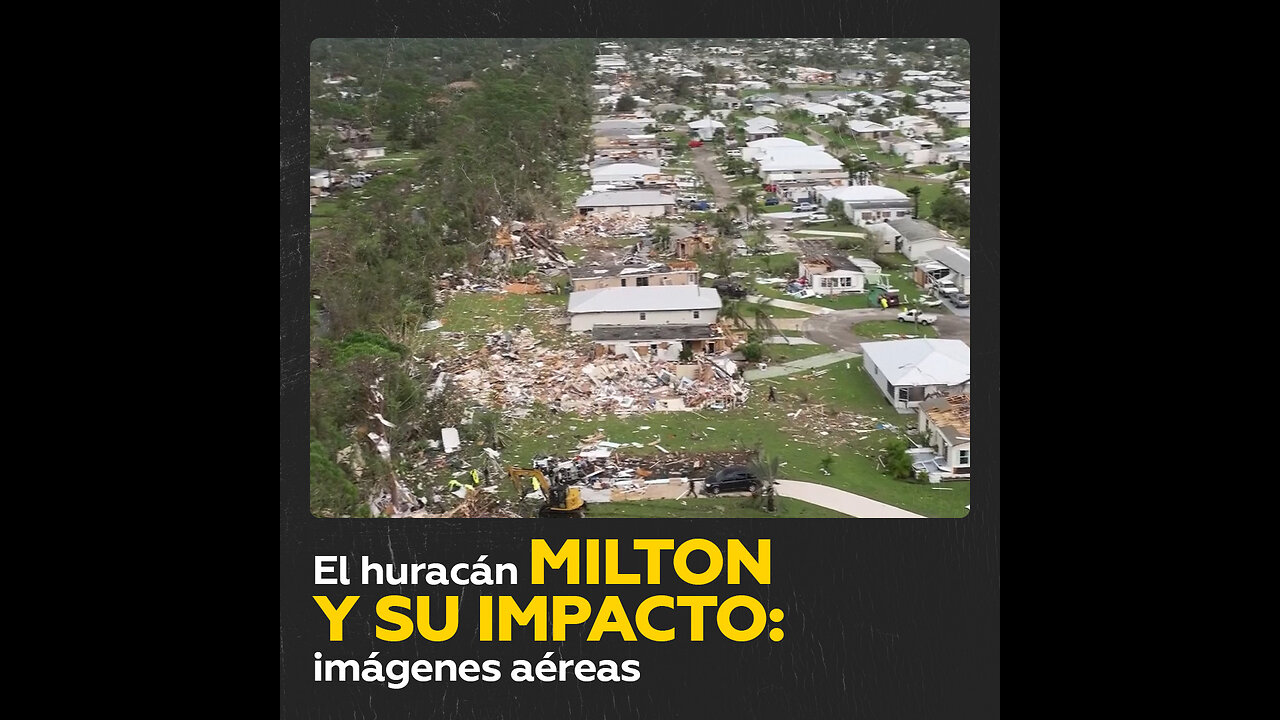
x=747 y=196
x=766 y=469
x=764 y=321
x=731 y=310
x=914 y=192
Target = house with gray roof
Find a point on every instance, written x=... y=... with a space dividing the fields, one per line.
x=644 y=203
x=956 y=260
x=646 y=306
x=912 y=237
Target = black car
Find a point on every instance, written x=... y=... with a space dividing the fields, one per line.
x=734 y=477
x=728 y=288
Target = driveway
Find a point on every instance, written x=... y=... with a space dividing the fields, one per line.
x=840 y=501
x=835 y=329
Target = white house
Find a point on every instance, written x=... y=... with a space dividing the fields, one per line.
x=916 y=151
x=866 y=129
x=906 y=371
x=622 y=172
x=757 y=148
x=761 y=128
x=706 y=127
x=955 y=259
x=868 y=204
x=913 y=126
x=725 y=101
x=364 y=151
x=644 y=203
x=911 y=237
x=320 y=178
x=831 y=275
x=951 y=110
x=643 y=306
x=807 y=165
x=820 y=111
x=944 y=421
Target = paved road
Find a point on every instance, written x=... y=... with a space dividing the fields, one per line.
x=840 y=501
x=704 y=161
x=836 y=328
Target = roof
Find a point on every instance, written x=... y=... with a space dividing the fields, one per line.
x=644 y=299
x=616 y=170
x=951 y=107
x=955 y=258
x=862 y=193
x=759 y=121
x=865 y=265
x=653 y=332
x=778 y=142
x=913 y=230
x=579 y=273
x=860 y=126
x=706 y=122
x=804 y=158
x=835 y=262
x=951 y=414
x=921 y=361
x=625 y=198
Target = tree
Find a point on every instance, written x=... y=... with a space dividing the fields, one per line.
x=766 y=469
x=756 y=241
x=780 y=87
x=914 y=192
x=895 y=460
x=731 y=310
x=892 y=77
x=747 y=198
x=835 y=208
x=626 y=103
x=662 y=238
x=951 y=209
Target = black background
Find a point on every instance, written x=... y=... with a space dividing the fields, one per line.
x=883 y=618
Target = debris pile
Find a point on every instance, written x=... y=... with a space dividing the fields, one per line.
x=476 y=504
x=512 y=371
x=529 y=242
x=607 y=225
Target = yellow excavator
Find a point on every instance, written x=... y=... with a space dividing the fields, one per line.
x=561 y=499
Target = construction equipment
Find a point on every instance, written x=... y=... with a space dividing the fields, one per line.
x=559 y=499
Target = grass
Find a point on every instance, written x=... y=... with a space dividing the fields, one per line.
x=785 y=353
x=797 y=441
x=570 y=184
x=928 y=192
x=780 y=207
x=480 y=313
x=877 y=329
x=735 y=507
x=802 y=137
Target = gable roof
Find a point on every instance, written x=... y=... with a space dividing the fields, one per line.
x=644 y=299
x=913 y=230
x=625 y=198
x=955 y=258
x=920 y=361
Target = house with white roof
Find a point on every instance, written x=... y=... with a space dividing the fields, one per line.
x=868 y=204
x=643 y=306
x=909 y=371
x=808 y=165
x=706 y=127
x=913 y=126
x=951 y=109
x=622 y=172
x=867 y=130
x=761 y=128
x=819 y=111
x=955 y=260
x=756 y=148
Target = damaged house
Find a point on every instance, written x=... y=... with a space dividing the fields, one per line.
x=653 y=274
x=648 y=317
x=944 y=421
x=832 y=275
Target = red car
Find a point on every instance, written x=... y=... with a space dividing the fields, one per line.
x=695 y=143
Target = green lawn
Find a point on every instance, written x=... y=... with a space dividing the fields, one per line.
x=929 y=191
x=570 y=184
x=780 y=207
x=802 y=137
x=786 y=353
x=480 y=313
x=877 y=329
x=734 y=507
x=797 y=441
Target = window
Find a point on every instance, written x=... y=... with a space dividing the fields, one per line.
x=904 y=394
x=696 y=314
x=964 y=458
x=642 y=282
x=624 y=283
x=642 y=316
x=846 y=282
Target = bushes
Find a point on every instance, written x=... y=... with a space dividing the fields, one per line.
x=896 y=461
x=361 y=344
x=752 y=351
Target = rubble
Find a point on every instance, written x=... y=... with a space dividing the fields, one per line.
x=607 y=225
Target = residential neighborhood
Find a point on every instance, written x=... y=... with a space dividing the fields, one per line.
x=705 y=278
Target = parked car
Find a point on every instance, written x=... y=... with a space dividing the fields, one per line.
x=667 y=128
x=862 y=157
x=734 y=477
x=788 y=225
x=734 y=153
x=818 y=218
x=729 y=288
x=804 y=207
x=771 y=201
x=695 y=143
x=960 y=300
x=915 y=316
x=700 y=205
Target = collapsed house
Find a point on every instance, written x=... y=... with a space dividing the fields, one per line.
x=649 y=275
x=529 y=242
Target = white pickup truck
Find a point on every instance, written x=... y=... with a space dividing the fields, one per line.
x=915 y=316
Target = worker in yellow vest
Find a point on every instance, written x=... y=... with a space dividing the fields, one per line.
x=475 y=477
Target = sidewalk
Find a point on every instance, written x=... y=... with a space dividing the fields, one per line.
x=840 y=501
x=795 y=366
x=791 y=305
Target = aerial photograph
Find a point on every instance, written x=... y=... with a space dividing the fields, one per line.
x=639 y=277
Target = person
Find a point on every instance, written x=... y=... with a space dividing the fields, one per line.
x=773 y=396
x=693 y=490
x=475 y=476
